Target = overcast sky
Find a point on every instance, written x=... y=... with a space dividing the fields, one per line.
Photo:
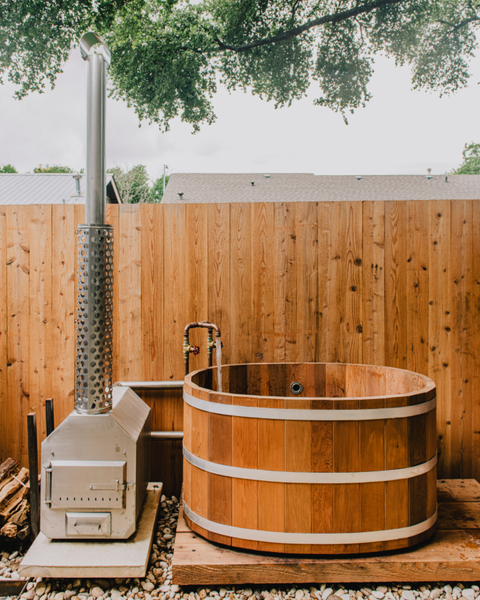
x=400 y=131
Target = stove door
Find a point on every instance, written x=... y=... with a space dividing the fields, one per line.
x=87 y=484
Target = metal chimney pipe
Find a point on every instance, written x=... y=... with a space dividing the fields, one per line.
x=94 y=373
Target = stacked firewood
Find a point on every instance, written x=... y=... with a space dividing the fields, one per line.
x=14 y=500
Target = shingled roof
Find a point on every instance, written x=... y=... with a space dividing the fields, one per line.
x=50 y=188
x=302 y=187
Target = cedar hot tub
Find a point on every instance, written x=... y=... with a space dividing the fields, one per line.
x=310 y=458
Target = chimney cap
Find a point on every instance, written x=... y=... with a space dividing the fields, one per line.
x=88 y=41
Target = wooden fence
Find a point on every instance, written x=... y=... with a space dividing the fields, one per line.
x=394 y=283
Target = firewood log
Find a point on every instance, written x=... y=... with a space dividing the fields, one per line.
x=7 y=466
x=12 y=487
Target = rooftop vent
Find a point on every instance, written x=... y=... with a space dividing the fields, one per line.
x=267 y=176
x=78 y=191
x=253 y=183
x=358 y=177
x=180 y=194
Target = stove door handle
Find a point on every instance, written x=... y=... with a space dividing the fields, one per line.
x=117 y=486
x=48 y=485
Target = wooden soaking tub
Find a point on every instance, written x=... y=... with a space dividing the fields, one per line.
x=346 y=465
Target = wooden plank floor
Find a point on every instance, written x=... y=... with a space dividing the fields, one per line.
x=452 y=554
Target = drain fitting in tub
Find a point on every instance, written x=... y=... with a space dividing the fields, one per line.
x=296 y=388
x=195 y=349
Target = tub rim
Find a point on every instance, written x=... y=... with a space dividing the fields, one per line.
x=430 y=385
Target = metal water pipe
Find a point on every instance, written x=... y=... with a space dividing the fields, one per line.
x=187 y=348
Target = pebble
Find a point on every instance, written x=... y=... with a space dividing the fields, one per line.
x=299 y=595
x=29 y=594
x=96 y=592
x=377 y=594
x=469 y=594
x=147 y=586
x=326 y=593
x=408 y=595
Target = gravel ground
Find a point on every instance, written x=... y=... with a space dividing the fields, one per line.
x=158 y=585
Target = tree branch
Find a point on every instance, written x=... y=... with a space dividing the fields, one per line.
x=335 y=18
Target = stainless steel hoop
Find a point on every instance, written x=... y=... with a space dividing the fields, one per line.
x=94 y=375
x=280 y=537
x=309 y=476
x=285 y=414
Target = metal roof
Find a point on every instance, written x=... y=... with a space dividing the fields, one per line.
x=49 y=188
x=304 y=187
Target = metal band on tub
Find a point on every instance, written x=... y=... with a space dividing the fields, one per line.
x=280 y=537
x=309 y=477
x=285 y=414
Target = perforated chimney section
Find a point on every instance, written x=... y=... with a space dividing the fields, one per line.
x=93 y=389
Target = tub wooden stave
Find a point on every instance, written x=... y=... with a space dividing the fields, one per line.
x=320 y=448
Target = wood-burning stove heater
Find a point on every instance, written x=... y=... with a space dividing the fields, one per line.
x=96 y=464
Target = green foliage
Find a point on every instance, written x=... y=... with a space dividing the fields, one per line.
x=168 y=56
x=8 y=169
x=156 y=192
x=53 y=169
x=471 y=160
x=133 y=184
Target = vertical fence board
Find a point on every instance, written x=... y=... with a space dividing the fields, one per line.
x=152 y=291
x=439 y=368
x=262 y=259
x=113 y=219
x=334 y=312
x=219 y=272
x=130 y=294
x=285 y=290
x=18 y=325
x=352 y=334
x=196 y=287
x=306 y=232
x=324 y=266
x=175 y=284
x=395 y=285
x=40 y=340
x=461 y=335
x=64 y=249
x=241 y=283
x=417 y=286
x=475 y=309
x=4 y=399
x=373 y=283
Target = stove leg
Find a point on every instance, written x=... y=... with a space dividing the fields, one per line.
x=49 y=415
x=33 y=466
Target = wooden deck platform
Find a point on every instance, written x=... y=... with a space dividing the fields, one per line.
x=452 y=554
